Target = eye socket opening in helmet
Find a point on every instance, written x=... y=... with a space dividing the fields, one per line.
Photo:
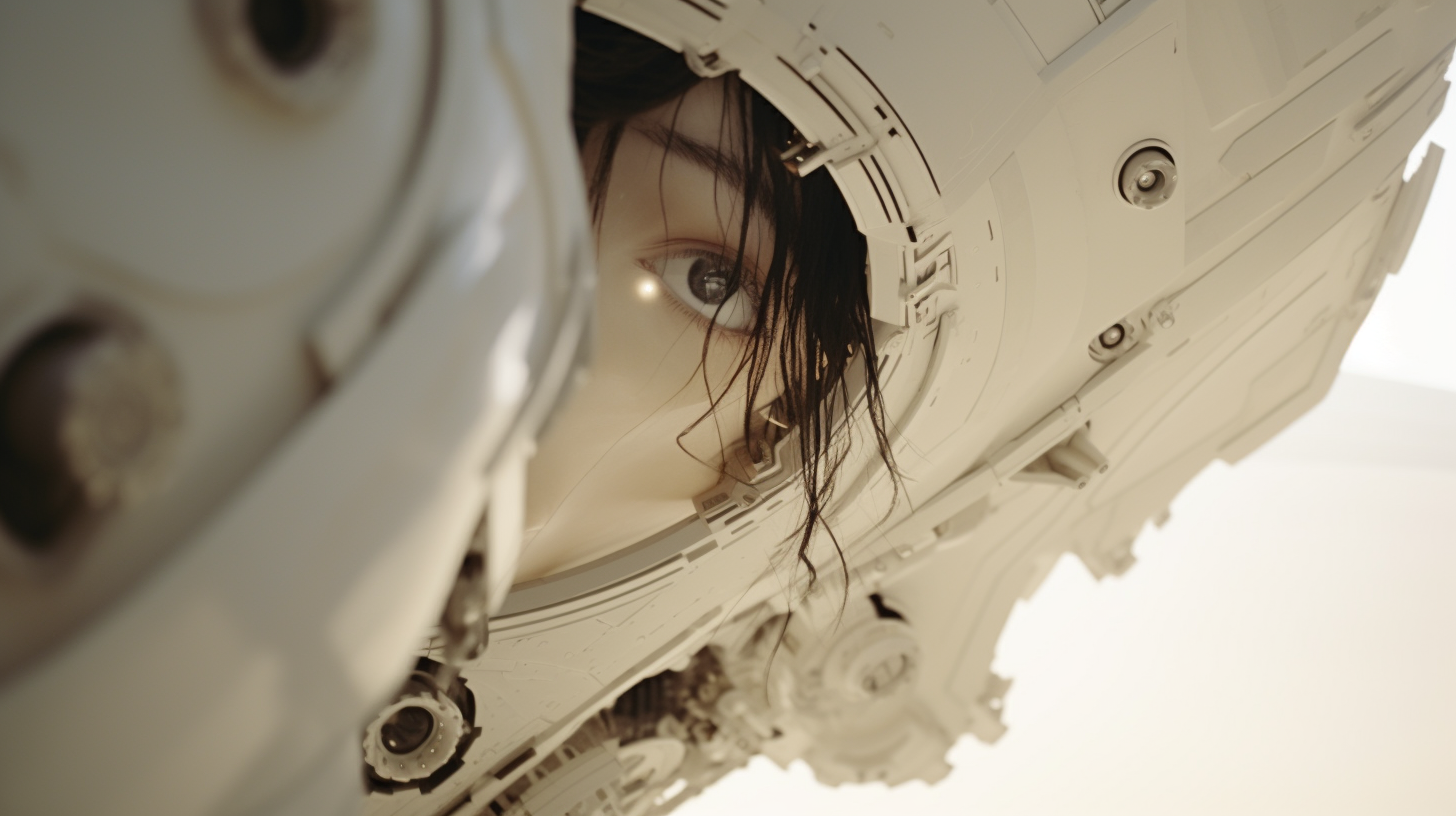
x=806 y=358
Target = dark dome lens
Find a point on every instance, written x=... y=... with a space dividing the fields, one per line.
x=407 y=730
x=290 y=33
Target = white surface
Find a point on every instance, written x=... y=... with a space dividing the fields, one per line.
x=1285 y=643
x=1282 y=647
x=1410 y=335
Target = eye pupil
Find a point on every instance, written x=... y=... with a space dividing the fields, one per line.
x=708 y=281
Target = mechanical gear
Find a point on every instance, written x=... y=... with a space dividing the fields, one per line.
x=437 y=745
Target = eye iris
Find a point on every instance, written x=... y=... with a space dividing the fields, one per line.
x=708 y=281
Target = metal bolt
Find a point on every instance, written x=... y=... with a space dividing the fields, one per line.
x=1112 y=336
x=1147 y=178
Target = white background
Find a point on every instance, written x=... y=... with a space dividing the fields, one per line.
x=1285 y=645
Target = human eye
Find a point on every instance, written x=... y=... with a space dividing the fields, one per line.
x=702 y=282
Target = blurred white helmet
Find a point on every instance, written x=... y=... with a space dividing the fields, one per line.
x=287 y=289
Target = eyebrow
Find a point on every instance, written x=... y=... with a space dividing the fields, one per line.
x=707 y=156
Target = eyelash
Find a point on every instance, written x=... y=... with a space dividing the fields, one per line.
x=717 y=255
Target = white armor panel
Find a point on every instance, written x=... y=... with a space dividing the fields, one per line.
x=286 y=289
x=339 y=278
x=1109 y=243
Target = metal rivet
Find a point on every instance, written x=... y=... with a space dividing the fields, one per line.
x=1147 y=178
x=1112 y=336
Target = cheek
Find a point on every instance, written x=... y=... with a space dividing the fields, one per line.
x=647 y=338
x=647 y=343
x=650 y=382
x=643 y=343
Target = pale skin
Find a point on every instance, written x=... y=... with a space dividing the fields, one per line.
x=612 y=468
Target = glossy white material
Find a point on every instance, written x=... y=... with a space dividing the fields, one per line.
x=985 y=175
x=374 y=306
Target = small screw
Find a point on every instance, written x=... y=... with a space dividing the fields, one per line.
x=1147 y=178
x=1112 y=336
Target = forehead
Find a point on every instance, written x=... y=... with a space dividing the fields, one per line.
x=705 y=129
x=701 y=116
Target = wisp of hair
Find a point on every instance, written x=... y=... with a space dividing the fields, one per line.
x=812 y=321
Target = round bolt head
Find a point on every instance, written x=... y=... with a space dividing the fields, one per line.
x=1147 y=179
x=1112 y=336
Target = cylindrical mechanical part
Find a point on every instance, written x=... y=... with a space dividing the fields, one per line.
x=89 y=414
x=416 y=735
x=1113 y=335
x=1148 y=177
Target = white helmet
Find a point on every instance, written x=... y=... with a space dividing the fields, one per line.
x=1100 y=242
x=1107 y=243
x=287 y=288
